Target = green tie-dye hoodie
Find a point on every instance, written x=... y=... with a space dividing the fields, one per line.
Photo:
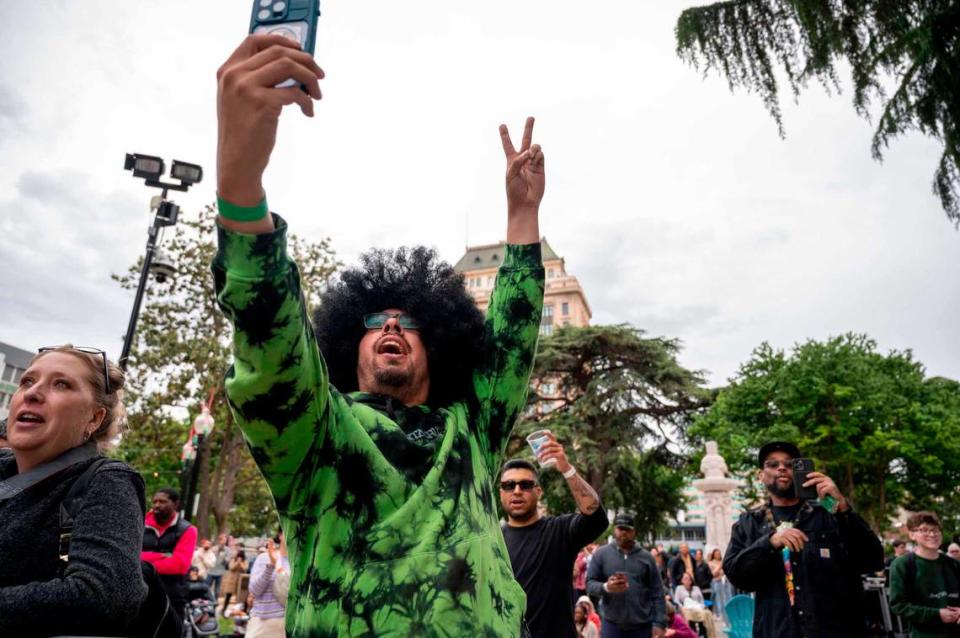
x=389 y=534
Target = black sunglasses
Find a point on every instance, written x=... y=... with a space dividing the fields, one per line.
x=525 y=485
x=376 y=320
x=86 y=350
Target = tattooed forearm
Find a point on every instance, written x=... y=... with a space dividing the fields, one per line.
x=585 y=496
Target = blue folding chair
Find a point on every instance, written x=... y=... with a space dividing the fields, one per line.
x=740 y=615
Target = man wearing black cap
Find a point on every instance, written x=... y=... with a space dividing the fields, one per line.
x=626 y=579
x=803 y=561
x=543 y=548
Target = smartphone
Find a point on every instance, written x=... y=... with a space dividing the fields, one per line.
x=801 y=468
x=294 y=19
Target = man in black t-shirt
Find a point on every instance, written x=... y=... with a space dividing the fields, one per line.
x=544 y=548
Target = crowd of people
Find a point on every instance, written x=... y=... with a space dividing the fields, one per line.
x=381 y=428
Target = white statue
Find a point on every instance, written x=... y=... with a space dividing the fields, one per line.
x=716 y=490
x=713 y=465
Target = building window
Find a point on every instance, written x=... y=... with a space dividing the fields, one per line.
x=4 y=400
x=8 y=373
x=548 y=389
x=549 y=273
x=489 y=281
x=548 y=310
x=546 y=329
x=565 y=309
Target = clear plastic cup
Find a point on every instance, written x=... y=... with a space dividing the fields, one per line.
x=536 y=440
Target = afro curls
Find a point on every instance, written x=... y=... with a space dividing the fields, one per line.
x=416 y=281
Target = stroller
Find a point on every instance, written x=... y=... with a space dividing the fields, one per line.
x=200 y=614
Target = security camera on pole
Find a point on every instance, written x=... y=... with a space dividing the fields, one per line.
x=151 y=168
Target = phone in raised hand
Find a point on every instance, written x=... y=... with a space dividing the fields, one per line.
x=801 y=469
x=293 y=19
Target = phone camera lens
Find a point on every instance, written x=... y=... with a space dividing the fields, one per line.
x=265 y=3
x=279 y=7
x=264 y=14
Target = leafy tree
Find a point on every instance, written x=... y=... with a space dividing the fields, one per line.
x=913 y=45
x=617 y=400
x=180 y=355
x=929 y=485
x=887 y=436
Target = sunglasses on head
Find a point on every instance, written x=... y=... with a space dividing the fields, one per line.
x=525 y=485
x=86 y=350
x=376 y=320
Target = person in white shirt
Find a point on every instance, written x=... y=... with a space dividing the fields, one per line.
x=686 y=589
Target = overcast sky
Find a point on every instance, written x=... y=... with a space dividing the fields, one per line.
x=673 y=200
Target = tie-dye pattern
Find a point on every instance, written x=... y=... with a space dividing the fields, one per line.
x=388 y=536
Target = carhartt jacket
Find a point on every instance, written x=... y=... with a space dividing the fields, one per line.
x=828 y=599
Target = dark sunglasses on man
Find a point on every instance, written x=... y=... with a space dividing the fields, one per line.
x=376 y=320
x=87 y=350
x=526 y=485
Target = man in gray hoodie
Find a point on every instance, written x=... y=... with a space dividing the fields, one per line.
x=626 y=579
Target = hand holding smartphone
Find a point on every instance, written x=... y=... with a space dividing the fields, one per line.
x=293 y=19
x=801 y=470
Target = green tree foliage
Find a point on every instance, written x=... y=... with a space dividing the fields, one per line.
x=180 y=354
x=616 y=399
x=885 y=434
x=911 y=45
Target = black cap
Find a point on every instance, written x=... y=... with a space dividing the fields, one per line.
x=623 y=520
x=777 y=446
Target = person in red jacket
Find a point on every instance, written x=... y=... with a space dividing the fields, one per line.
x=168 y=544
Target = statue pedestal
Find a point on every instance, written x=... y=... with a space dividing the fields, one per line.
x=716 y=491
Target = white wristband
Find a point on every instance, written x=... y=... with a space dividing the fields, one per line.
x=570 y=473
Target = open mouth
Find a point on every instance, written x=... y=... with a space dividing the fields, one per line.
x=30 y=418
x=391 y=346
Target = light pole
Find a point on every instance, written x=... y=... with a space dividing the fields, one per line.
x=151 y=168
x=202 y=428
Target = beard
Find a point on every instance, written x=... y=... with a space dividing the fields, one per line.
x=523 y=516
x=781 y=492
x=391 y=377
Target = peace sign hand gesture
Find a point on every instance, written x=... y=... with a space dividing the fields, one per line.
x=525 y=185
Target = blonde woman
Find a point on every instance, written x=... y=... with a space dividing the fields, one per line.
x=64 y=412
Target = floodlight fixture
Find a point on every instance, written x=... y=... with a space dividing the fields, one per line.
x=188 y=174
x=146 y=166
x=151 y=167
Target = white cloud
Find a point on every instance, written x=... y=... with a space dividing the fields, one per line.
x=672 y=199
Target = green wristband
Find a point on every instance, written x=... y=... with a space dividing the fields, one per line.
x=242 y=213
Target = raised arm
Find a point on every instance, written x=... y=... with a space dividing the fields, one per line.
x=516 y=303
x=586 y=497
x=248 y=111
x=525 y=186
x=277 y=386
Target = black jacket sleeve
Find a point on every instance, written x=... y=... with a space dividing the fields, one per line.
x=751 y=562
x=863 y=545
x=102 y=586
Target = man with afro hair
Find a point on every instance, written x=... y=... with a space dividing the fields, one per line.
x=381 y=426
